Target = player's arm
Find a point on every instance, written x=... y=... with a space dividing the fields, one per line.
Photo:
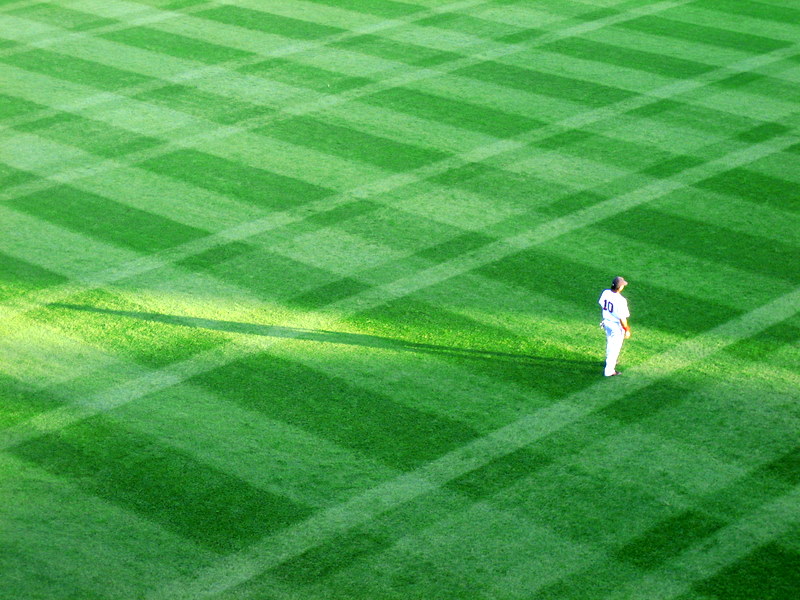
x=626 y=327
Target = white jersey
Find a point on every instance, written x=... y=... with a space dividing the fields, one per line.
x=614 y=306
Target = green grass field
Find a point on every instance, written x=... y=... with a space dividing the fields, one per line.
x=298 y=299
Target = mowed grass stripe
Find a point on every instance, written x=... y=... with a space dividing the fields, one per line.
x=105 y=219
x=217 y=108
x=205 y=505
x=179 y=46
x=303 y=75
x=759 y=10
x=713 y=36
x=92 y=136
x=396 y=51
x=275 y=550
x=77 y=70
x=367 y=423
x=755 y=187
x=556 y=86
x=454 y=112
x=621 y=56
x=351 y=144
x=235 y=179
x=61 y=16
x=259 y=20
x=389 y=9
x=706 y=241
x=18 y=276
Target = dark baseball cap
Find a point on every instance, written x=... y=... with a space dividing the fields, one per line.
x=618 y=282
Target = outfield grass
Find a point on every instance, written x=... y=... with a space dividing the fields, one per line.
x=298 y=299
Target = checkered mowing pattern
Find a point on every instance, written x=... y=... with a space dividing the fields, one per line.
x=298 y=299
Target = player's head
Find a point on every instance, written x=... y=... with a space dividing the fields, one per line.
x=618 y=283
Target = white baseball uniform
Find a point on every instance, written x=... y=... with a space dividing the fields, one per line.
x=614 y=307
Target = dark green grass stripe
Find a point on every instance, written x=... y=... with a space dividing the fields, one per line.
x=9 y=176
x=89 y=135
x=169 y=487
x=523 y=36
x=613 y=151
x=462 y=23
x=785 y=468
x=361 y=542
x=669 y=167
x=759 y=10
x=501 y=473
x=756 y=187
x=763 y=132
x=380 y=8
x=771 y=572
x=351 y=144
x=497 y=183
x=270 y=276
x=20 y=401
x=668 y=539
x=756 y=83
x=206 y=105
x=240 y=181
x=175 y=45
x=650 y=62
x=453 y=112
x=410 y=54
x=332 y=408
x=694 y=116
x=328 y=293
x=759 y=347
x=643 y=404
x=306 y=76
x=704 y=34
x=545 y=84
x=576 y=282
x=62 y=17
x=76 y=70
x=11 y=106
x=105 y=219
x=708 y=242
x=18 y=276
x=266 y=22
x=456 y=246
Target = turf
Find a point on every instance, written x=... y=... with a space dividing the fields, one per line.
x=298 y=299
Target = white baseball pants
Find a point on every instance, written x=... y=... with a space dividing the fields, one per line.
x=615 y=335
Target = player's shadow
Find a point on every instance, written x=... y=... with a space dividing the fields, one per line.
x=331 y=337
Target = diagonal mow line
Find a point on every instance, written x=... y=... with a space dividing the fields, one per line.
x=291 y=542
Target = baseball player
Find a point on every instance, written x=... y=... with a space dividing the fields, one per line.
x=615 y=322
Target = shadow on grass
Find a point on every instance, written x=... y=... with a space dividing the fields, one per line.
x=334 y=337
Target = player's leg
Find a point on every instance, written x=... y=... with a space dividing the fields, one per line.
x=614 y=339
